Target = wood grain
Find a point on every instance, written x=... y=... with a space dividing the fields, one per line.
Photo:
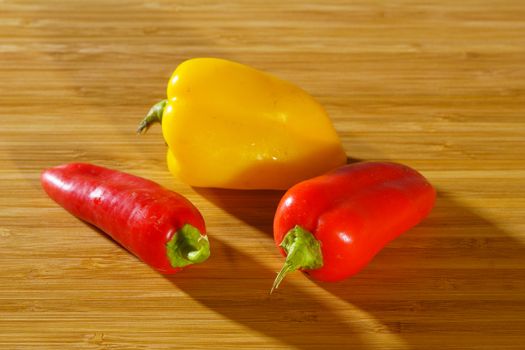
x=439 y=86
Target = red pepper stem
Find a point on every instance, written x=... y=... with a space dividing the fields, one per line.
x=154 y=116
x=187 y=247
x=303 y=251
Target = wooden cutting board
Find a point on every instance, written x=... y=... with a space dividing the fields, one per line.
x=438 y=86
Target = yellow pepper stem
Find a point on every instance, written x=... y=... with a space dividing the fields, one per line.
x=154 y=116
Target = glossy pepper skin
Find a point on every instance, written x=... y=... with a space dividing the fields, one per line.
x=331 y=226
x=228 y=125
x=161 y=227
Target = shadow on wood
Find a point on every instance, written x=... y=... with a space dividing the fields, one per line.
x=440 y=275
x=236 y=286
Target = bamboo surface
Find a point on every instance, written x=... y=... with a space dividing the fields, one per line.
x=439 y=86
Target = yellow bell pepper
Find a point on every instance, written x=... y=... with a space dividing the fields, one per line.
x=231 y=126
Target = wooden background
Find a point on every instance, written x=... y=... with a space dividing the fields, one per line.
x=438 y=86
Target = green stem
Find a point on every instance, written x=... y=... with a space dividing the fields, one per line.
x=187 y=246
x=303 y=251
x=154 y=116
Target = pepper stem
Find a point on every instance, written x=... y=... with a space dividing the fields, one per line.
x=187 y=246
x=154 y=116
x=303 y=251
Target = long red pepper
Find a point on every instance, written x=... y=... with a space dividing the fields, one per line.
x=331 y=226
x=159 y=226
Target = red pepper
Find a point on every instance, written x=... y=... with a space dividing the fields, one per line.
x=332 y=225
x=159 y=226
